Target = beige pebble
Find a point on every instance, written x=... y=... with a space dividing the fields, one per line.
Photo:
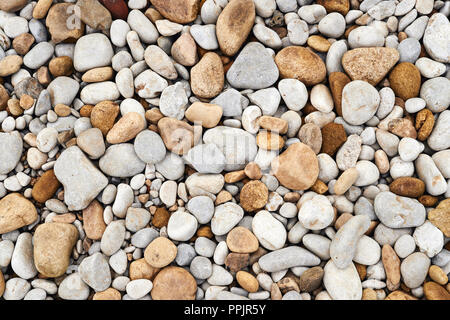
x=126 y=128
x=160 y=252
x=346 y=180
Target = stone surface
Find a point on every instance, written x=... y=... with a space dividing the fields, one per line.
x=52 y=247
x=296 y=168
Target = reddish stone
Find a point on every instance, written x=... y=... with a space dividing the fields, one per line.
x=118 y=8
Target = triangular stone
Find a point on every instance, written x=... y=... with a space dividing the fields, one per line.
x=369 y=64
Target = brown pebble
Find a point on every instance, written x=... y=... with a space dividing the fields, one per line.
x=408 y=187
x=139 y=269
x=405 y=80
x=237 y=261
x=222 y=197
x=174 y=283
x=438 y=275
x=23 y=43
x=319 y=187
x=434 y=291
x=43 y=76
x=333 y=137
x=402 y=127
x=93 y=222
x=399 y=295
x=311 y=135
x=342 y=219
x=26 y=101
x=362 y=271
x=337 y=81
x=45 y=186
x=275 y=293
x=427 y=200
x=369 y=294
x=341 y=6
x=269 y=141
x=424 y=124
x=287 y=284
x=254 y=195
x=86 y=110
x=234 y=176
x=64 y=218
x=2 y=284
x=153 y=115
x=319 y=43
x=301 y=64
x=207 y=76
x=161 y=217
x=311 y=279
x=61 y=66
x=274 y=124
x=103 y=116
x=62 y=110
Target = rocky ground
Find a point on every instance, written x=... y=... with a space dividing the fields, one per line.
x=242 y=149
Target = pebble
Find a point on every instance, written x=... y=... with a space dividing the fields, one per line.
x=94 y=271
x=262 y=73
x=138 y=288
x=12 y=142
x=342 y=284
x=317 y=213
x=429 y=68
x=231 y=33
x=226 y=216
x=73 y=288
x=207 y=76
x=160 y=252
x=202 y=207
x=414 y=269
x=435 y=31
x=174 y=283
x=404 y=246
x=401 y=212
x=112 y=162
x=301 y=64
x=294 y=93
x=16 y=289
x=92 y=51
x=288 y=257
x=296 y=168
x=112 y=238
x=264 y=221
x=360 y=101
x=365 y=37
x=435 y=93
x=182 y=226
x=15 y=212
x=52 y=247
x=428 y=172
x=429 y=239
x=76 y=173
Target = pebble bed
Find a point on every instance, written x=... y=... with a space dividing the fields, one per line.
x=242 y=149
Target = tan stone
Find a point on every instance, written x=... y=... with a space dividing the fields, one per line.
x=12 y=6
x=391 y=264
x=254 y=195
x=234 y=176
x=43 y=76
x=10 y=65
x=253 y=171
x=108 y=294
x=274 y=124
x=287 y=284
x=222 y=197
x=237 y=261
x=433 y=291
x=302 y=64
x=61 y=66
x=64 y=218
x=440 y=217
x=269 y=141
x=62 y=110
x=207 y=114
x=93 y=222
x=369 y=64
x=161 y=217
x=319 y=187
x=126 y=128
x=26 y=102
x=180 y=11
x=153 y=115
x=402 y=127
x=140 y=269
x=177 y=135
x=153 y=15
x=184 y=50
x=16 y=212
x=399 y=295
x=234 y=25
x=56 y=22
x=4 y=97
x=345 y=180
x=311 y=279
x=407 y=187
x=247 y=281
x=174 y=283
x=311 y=135
x=53 y=244
x=341 y=6
x=98 y=74
x=103 y=116
x=23 y=43
x=296 y=168
x=369 y=294
x=242 y=240
x=319 y=43
x=2 y=284
x=438 y=275
x=41 y=9
x=405 y=80
x=275 y=293
x=160 y=252
x=207 y=76
x=92 y=13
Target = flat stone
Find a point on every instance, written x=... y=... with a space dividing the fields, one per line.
x=288 y=257
x=369 y=64
x=94 y=271
x=82 y=181
x=92 y=51
x=207 y=76
x=120 y=160
x=342 y=284
x=360 y=101
x=15 y=212
x=253 y=68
